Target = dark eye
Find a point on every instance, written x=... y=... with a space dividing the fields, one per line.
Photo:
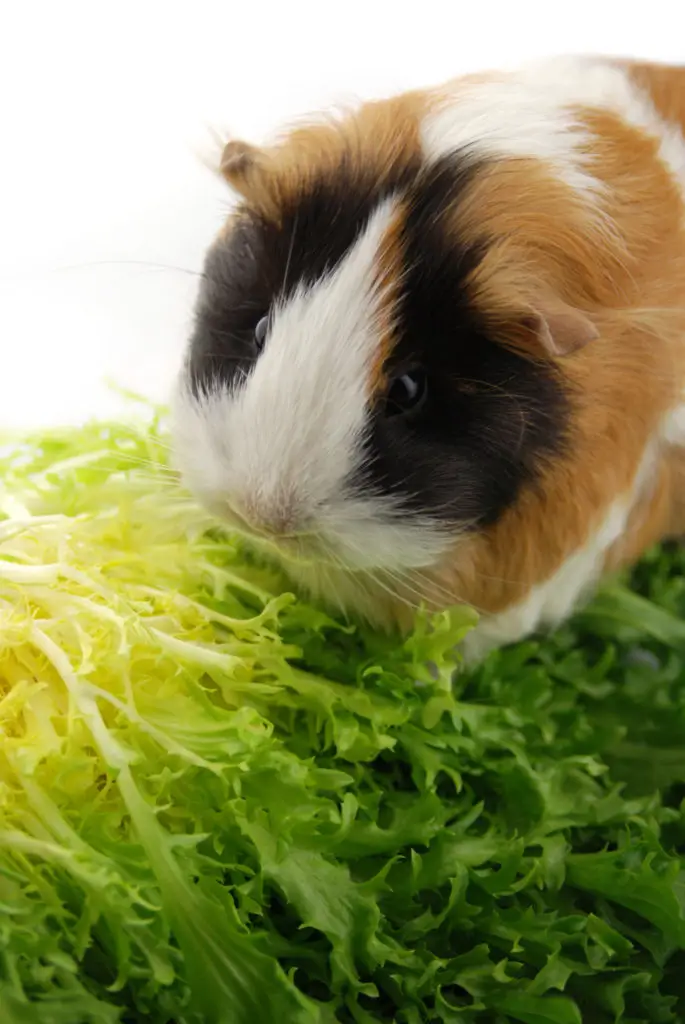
x=406 y=393
x=260 y=332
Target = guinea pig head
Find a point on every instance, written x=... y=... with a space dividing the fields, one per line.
x=373 y=374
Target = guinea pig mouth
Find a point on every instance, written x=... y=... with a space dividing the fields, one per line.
x=296 y=546
x=296 y=549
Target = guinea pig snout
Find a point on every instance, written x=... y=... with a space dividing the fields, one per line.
x=272 y=517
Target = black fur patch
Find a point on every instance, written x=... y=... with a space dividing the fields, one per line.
x=491 y=415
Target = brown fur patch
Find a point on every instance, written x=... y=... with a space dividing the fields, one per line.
x=375 y=141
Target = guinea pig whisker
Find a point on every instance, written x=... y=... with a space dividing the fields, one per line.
x=411 y=605
x=500 y=390
x=227 y=357
x=495 y=579
x=401 y=586
x=164 y=445
x=170 y=483
x=137 y=460
x=130 y=263
x=376 y=576
x=157 y=442
x=363 y=580
x=411 y=584
x=159 y=473
x=218 y=332
x=374 y=579
x=140 y=459
x=409 y=578
x=152 y=481
x=412 y=581
x=290 y=252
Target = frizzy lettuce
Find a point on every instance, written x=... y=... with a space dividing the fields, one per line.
x=220 y=804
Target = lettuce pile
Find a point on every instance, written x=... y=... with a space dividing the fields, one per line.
x=218 y=805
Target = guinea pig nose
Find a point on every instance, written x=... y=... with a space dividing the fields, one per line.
x=278 y=519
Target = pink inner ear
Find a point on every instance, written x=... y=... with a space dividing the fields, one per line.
x=239 y=163
x=563 y=330
x=237 y=156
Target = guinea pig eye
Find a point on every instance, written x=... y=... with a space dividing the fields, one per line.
x=406 y=393
x=260 y=332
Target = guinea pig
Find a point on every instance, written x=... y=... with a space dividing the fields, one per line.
x=438 y=353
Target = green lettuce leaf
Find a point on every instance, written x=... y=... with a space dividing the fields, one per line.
x=219 y=803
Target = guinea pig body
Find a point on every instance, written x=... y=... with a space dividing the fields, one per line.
x=439 y=350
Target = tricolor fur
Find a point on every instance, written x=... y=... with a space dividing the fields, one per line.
x=520 y=238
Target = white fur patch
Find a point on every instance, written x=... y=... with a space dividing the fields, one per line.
x=536 y=111
x=673 y=427
x=549 y=603
x=280 y=447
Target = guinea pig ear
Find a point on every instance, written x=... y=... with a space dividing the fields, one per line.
x=559 y=329
x=240 y=165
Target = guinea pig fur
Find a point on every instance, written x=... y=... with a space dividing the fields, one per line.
x=439 y=346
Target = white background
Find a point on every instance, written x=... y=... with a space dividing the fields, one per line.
x=105 y=209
